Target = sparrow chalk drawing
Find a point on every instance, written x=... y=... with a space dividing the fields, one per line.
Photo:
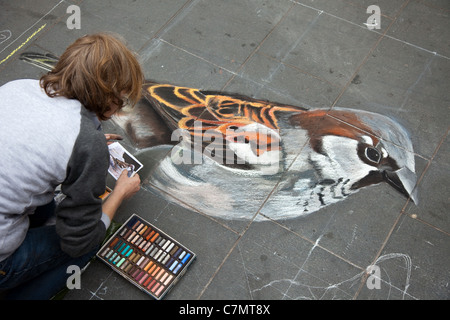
x=254 y=156
x=322 y=156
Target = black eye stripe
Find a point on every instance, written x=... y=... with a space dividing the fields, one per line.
x=373 y=155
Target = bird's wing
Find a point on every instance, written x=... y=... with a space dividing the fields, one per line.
x=207 y=115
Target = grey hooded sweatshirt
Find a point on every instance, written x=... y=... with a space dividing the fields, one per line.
x=46 y=142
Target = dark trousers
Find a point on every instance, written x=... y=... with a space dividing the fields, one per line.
x=37 y=270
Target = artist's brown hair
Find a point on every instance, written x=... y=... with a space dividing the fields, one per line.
x=96 y=70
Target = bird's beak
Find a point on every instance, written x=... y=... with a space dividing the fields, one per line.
x=404 y=180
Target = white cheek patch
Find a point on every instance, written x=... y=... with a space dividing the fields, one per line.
x=341 y=160
x=384 y=153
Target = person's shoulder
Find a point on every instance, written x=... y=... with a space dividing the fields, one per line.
x=21 y=83
x=90 y=136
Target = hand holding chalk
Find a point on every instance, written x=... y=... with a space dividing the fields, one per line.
x=127 y=186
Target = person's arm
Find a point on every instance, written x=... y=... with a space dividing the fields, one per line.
x=79 y=215
x=125 y=188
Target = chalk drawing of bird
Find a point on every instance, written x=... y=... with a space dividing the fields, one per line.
x=310 y=158
x=232 y=157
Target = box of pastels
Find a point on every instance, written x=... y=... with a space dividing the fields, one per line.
x=146 y=256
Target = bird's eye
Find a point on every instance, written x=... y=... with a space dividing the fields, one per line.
x=373 y=155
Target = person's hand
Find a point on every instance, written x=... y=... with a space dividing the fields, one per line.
x=112 y=137
x=127 y=186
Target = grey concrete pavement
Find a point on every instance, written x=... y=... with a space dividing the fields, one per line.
x=313 y=54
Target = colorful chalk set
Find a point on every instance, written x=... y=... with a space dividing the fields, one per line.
x=146 y=256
